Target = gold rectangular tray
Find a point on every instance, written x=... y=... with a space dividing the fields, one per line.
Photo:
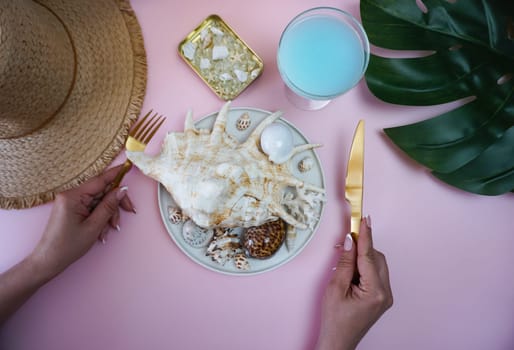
x=220 y=58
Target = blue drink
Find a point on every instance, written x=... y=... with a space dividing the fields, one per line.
x=323 y=53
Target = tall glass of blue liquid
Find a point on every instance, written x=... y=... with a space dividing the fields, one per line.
x=323 y=53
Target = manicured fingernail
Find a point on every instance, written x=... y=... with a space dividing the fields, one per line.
x=121 y=192
x=134 y=210
x=103 y=240
x=368 y=221
x=348 y=242
x=334 y=268
x=118 y=228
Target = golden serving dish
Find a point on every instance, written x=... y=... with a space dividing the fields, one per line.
x=220 y=58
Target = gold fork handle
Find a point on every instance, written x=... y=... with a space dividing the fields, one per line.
x=115 y=183
x=124 y=169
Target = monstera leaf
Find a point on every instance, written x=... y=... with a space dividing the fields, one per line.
x=471 y=54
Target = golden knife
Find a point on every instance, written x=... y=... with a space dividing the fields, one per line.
x=355 y=179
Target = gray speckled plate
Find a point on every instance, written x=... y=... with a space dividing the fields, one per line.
x=314 y=176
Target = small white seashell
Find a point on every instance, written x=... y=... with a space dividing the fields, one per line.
x=241 y=75
x=205 y=63
x=243 y=122
x=305 y=164
x=189 y=50
x=216 y=31
x=175 y=215
x=255 y=73
x=291 y=238
x=241 y=262
x=195 y=235
x=219 y=52
x=277 y=142
x=225 y=77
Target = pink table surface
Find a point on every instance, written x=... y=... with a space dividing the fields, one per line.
x=449 y=252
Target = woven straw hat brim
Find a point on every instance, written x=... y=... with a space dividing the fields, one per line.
x=90 y=128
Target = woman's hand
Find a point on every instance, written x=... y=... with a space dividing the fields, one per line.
x=358 y=294
x=79 y=218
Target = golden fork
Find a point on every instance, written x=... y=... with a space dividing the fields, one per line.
x=137 y=140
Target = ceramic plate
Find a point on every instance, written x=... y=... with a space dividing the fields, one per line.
x=313 y=176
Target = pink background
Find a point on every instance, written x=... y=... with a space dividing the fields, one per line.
x=449 y=252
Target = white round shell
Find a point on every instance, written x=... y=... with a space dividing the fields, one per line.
x=277 y=142
x=195 y=235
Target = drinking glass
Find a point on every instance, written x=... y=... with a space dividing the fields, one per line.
x=323 y=53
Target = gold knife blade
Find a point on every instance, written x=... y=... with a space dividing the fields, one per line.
x=355 y=179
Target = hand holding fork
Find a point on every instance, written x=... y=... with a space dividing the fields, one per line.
x=138 y=138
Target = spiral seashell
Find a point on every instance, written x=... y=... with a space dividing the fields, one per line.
x=261 y=242
x=195 y=235
x=224 y=246
x=175 y=215
x=305 y=164
x=213 y=177
x=241 y=262
x=243 y=122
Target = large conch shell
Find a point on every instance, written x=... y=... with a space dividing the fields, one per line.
x=219 y=182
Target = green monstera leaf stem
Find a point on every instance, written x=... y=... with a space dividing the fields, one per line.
x=472 y=146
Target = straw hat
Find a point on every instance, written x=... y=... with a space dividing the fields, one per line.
x=72 y=82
